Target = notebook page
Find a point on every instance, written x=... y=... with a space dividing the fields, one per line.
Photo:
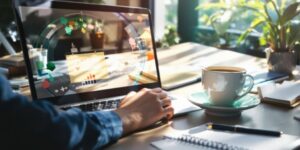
x=248 y=141
x=167 y=144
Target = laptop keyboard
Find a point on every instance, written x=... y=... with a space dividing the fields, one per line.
x=97 y=105
x=111 y=104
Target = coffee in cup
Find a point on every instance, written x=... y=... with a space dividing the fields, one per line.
x=224 y=85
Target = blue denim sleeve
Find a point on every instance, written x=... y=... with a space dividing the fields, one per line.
x=40 y=125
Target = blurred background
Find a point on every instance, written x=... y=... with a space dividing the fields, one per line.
x=218 y=23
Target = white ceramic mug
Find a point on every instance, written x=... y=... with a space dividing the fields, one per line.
x=224 y=84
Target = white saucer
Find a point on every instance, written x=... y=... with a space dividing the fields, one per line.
x=201 y=99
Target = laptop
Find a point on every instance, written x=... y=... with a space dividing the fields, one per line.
x=81 y=55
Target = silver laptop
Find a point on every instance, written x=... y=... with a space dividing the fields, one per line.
x=88 y=56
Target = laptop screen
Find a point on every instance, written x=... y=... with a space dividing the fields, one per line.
x=81 y=52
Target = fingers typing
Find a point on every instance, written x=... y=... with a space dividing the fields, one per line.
x=169 y=112
x=166 y=102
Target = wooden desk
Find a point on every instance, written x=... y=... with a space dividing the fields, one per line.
x=264 y=116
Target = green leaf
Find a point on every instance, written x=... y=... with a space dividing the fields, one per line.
x=255 y=6
x=68 y=30
x=267 y=12
x=290 y=12
x=272 y=12
x=262 y=41
x=253 y=25
x=63 y=21
x=242 y=38
x=282 y=5
x=204 y=18
x=276 y=8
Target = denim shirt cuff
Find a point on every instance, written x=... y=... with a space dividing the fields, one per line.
x=112 y=123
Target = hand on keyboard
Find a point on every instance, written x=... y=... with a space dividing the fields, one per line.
x=144 y=108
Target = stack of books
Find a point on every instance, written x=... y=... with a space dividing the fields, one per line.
x=286 y=94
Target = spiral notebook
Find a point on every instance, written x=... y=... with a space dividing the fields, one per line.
x=212 y=140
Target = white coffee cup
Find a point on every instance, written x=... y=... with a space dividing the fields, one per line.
x=224 y=85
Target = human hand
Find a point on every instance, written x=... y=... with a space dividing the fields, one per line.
x=142 y=109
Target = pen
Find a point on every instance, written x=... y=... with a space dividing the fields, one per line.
x=243 y=130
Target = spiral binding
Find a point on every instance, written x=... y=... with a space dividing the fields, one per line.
x=203 y=142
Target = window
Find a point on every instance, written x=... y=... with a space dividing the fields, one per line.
x=221 y=22
x=165 y=14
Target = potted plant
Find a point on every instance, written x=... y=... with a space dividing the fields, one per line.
x=97 y=34
x=87 y=25
x=280 y=31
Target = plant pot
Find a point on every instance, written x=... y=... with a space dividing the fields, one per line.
x=284 y=62
x=97 y=40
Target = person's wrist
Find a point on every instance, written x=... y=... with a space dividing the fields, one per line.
x=128 y=123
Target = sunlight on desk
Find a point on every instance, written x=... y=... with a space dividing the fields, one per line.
x=198 y=56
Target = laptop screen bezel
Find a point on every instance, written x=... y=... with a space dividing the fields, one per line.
x=85 y=97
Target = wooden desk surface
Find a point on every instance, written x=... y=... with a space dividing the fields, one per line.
x=264 y=116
